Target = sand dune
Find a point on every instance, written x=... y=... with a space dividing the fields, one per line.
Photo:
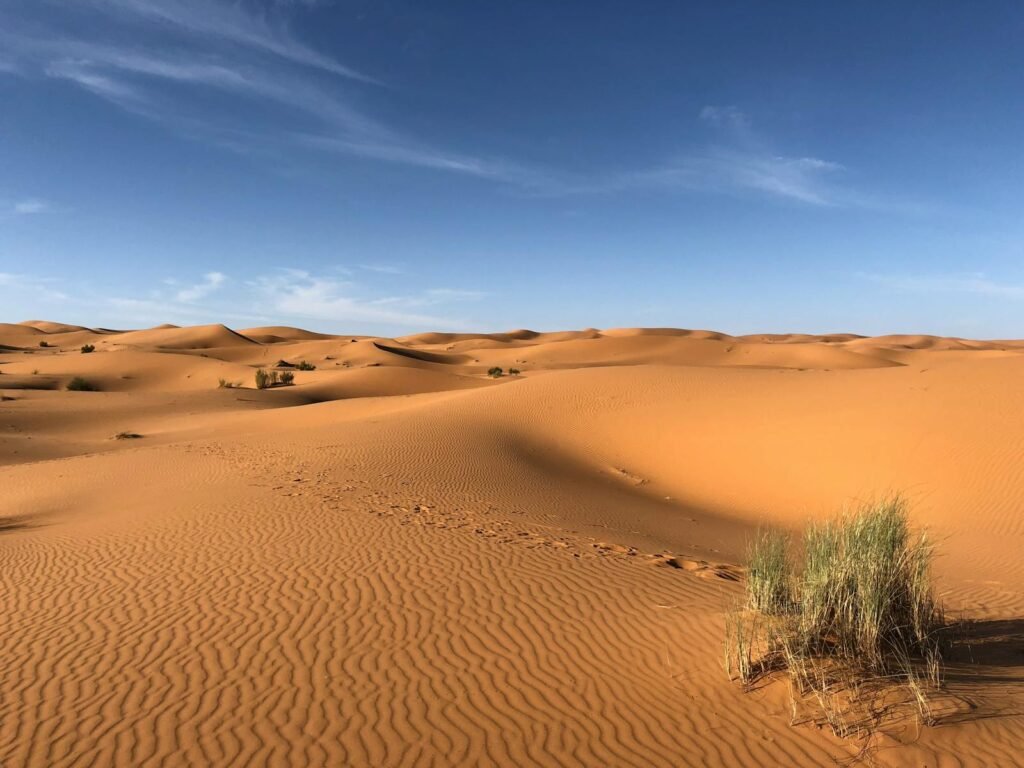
x=47 y=326
x=197 y=337
x=399 y=560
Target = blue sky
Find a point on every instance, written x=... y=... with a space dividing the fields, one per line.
x=387 y=167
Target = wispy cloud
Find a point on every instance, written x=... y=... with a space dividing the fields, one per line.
x=971 y=283
x=30 y=207
x=41 y=287
x=227 y=22
x=293 y=296
x=297 y=293
x=383 y=269
x=211 y=282
x=294 y=96
x=739 y=160
x=440 y=295
x=413 y=153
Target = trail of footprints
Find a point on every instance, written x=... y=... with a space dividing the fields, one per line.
x=294 y=478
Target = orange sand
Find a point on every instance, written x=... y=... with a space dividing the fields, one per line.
x=401 y=561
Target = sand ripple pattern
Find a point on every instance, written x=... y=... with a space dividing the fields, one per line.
x=330 y=622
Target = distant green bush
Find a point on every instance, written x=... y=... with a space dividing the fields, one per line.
x=43 y=344
x=78 y=384
x=514 y=371
x=496 y=372
x=304 y=366
x=87 y=348
x=266 y=379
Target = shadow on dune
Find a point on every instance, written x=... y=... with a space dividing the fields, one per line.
x=12 y=523
x=985 y=670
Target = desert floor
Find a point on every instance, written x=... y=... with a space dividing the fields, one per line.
x=400 y=560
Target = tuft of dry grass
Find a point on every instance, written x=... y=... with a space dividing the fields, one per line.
x=856 y=627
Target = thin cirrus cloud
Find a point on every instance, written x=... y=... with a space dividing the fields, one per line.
x=301 y=294
x=181 y=48
x=739 y=160
x=211 y=282
x=30 y=207
x=974 y=283
x=292 y=295
x=41 y=287
x=227 y=22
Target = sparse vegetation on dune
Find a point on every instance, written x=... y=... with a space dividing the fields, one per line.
x=495 y=372
x=305 y=366
x=266 y=379
x=225 y=384
x=853 y=621
x=127 y=436
x=87 y=348
x=78 y=384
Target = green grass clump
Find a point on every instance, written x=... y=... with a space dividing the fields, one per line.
x=769 y=577
x=87 y=348
x=866 y=586
x=856 y=618
x=495 y=372
x=287 y=377
x=304 y=366
x=225 y=384
x=78 y=384
x=514 y=371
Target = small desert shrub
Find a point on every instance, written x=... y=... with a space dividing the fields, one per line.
x=495 y=372
x=78 y=384
x=225 y=384
x=514 y=371
x=127 y=436
x=43 y=344
x=856 y=620
x=304 y=366
x=87 y=348
x=266 y=379
x=287 y=377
